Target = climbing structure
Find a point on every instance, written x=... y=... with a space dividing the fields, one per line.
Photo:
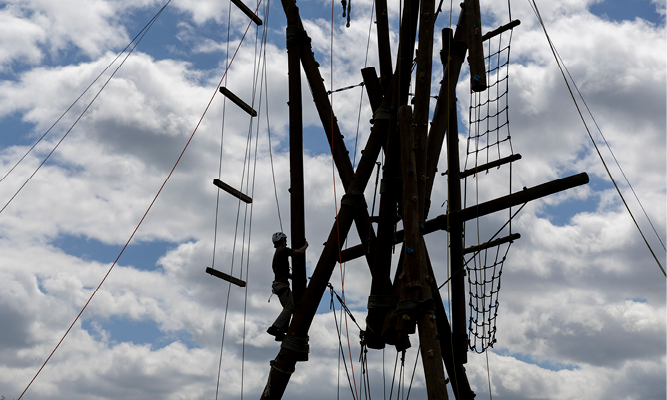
x=489 y=152
x=410 y=302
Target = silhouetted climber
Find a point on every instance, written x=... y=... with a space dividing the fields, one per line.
x=281 y=283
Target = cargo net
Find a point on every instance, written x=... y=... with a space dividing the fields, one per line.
x=489 y=142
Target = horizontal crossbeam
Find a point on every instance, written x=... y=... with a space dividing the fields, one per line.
x=493 y=243
x=236 y=193
x=488 y=166
x=440 y=222
x=236 y=100
x=247 y=11
x=498 y=31
x=225 y=277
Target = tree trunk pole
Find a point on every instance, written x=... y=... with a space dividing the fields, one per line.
x=297 y=206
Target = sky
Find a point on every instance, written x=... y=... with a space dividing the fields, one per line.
x=582 y=310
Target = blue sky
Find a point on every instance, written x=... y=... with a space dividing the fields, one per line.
x=577 y=271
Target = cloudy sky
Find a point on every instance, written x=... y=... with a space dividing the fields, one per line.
x=582 y=306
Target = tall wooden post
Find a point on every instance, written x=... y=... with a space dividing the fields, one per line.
x=379 y=301
x=297 y=206
x=416 y=301
x=423 y=95
x=384 y=49
x=459 y=323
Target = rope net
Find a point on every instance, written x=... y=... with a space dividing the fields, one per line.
x=489 y=140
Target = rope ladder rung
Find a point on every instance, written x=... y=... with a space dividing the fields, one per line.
x=225 y=277
x=236 y=193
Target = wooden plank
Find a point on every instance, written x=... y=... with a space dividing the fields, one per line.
x=487 y=166
x=225 y=277
x=247 y=11
x=236 y=100
x=498 y=31
x=236 y=193
x=489 y=207
x=493 y=243
x=521 y=197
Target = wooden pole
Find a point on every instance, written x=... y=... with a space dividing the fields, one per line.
x=297 y=205
x=422 y=98
x=386 y=119
x=384 y=49
x=455 y=228
x=415 y=289
x=457 y=374
x=474 y=40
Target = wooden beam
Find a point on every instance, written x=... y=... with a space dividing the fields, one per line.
x=473 y=27
x=498 y=31
x=373 y=87
x=236 y=100
x=422 y=99
x=493 y=243
x=395 y=96
x=297 y=203
x=487 y=166
x=236 y=193
x=225 y=277
x=414 y=287
x=251 y=14
x=524 y=196
x=384 y=49
x=457 y=373
x=459 y=321
x=489 y=207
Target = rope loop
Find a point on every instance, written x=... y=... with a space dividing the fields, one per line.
x=354 y=199
x=296 y=36
x=294 y=343
x=382 y=113
x=273 y=366
x=382 y=301
x=414 y=306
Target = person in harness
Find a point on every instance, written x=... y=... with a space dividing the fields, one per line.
x=280 y=286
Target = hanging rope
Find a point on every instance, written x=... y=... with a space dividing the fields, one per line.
x=345 y=88
x=217 y=207
x=333 y=174
x=142 y=218
x=590 y=113
x=85 y=109
x=414 y=369
x=268 y=129
x=618 y=190
x=245 y=224
x=257 y=77
x=340 y=342
x=393 y=376
x=148 y=25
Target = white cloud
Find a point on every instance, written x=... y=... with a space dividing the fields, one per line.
x=582 y=296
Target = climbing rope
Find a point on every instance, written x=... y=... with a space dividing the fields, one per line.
x=393 y=376
x=217 y=207
x=146 y=27
x=340 y=342
x=561 y=66
x=414 y=369
x=345 y=88
x=142 y=33
x=333 y=174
